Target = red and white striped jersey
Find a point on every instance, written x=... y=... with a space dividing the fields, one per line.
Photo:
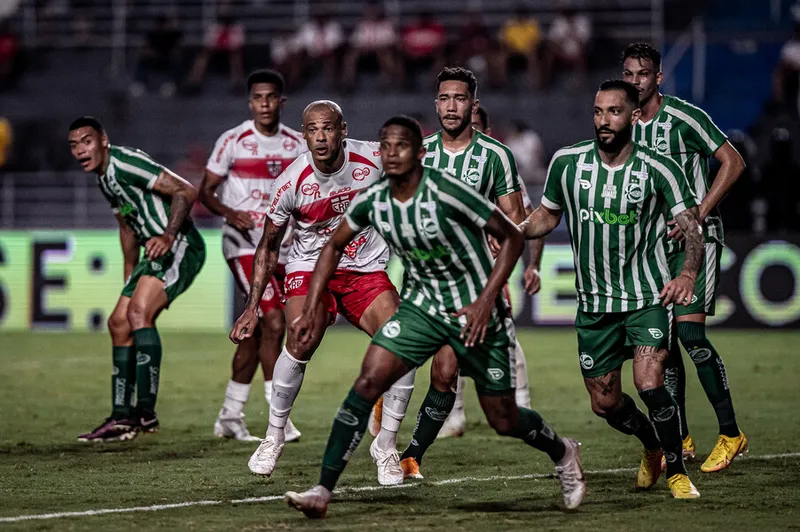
x=317 y=202
x=250 y=163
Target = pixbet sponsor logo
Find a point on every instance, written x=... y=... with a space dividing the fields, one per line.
x=607 y=217
x=278 y=194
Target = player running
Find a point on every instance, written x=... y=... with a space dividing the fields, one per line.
x=688 y=136
x=451 y=296
x=615 y=194
x=245 y=163
x=152 y=207
x=316 y=190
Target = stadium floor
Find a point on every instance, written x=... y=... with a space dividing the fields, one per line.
x=54 y=386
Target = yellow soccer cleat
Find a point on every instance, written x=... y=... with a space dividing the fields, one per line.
x=649 y=469
x=375 y=418
x=724 y=452
x=681 y=487
x=688 y=452
x=410 y=468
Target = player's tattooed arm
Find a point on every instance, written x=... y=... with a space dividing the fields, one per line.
x=182 y=195
x=540 y=223
x=681 y=289
x=130 y=246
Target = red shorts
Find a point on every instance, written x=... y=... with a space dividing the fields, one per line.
x=349 y=293
x=242 y=268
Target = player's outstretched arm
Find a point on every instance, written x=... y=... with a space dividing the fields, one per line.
x=264 y=262
x=511 y=246
x=531 y=275
x=327 y=263
x=681 y=289
x=182 y=194
x=130 y=246
x=540 y=223
x=208 y=187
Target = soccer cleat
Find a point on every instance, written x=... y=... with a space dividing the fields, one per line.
x=290 y=432
x=688 y=452
x=724 y=452
x=649 y=469
x=112 y=430
x=389 y=471
x=454 y=426
x=232 y=425
x=313 y=503
x=148 y=422
x=262 y=462
x=375 y=417
x=410 y=468
x=681 y=487
x=570 y=474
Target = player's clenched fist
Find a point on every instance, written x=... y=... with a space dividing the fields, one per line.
x=244 y=326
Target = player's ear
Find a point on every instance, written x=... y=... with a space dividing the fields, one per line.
x=283 y=100
x=104 y=141
x=635 y=115
x=344 y=129
x=475 y=105
x=421 y=153
x=659 y=78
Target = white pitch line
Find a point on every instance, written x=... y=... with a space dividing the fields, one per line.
x=355 y=489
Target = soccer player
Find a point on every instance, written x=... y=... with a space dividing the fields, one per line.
x=316 y=190
x=615 y=194
x=244 y=165
x=687 y=135
x=152 y=207
x=437 y=225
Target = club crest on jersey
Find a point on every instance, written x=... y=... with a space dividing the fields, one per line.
x=472 y=177
x=430 y=227
x=274 y=168
x=311 y=189
x=359 y=174
x=251 y=146
x=609 y=191
x=660 y=145
x=634 y=193
x=340 y=203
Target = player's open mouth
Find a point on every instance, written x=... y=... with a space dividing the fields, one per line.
x=85 y=161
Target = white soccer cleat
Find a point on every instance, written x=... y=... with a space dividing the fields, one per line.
x=313 y=503
x=454 y=426
x=230 y=425
x=263 y=461
x=389 y=471
x=290 y=432
x=570 y=474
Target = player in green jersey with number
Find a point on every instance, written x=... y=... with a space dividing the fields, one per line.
x=437 y=226
x=687 y=135
x=615 y=195
x=152 y=207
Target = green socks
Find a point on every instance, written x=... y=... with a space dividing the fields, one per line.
x=628 y=419
x=432 y=414
x=533 y=430
x=675 y=381
x=123 y=381
x=711 y=372
x=346 y=433
x=148 y=366
x=664 y=415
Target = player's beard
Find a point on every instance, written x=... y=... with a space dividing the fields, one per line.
x=465 y=122
x=620 y=140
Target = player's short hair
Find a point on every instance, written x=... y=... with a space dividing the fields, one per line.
x=484 y=116
x=459 y=74
x=643 y=50
x=330 y=104
x=631 y=93
x=265 y=76
x=87 y=121
x=407 y=122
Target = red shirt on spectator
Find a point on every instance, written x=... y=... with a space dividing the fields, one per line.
x=424 y=38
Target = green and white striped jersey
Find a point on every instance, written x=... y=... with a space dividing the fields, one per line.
x=485 y=164
x=688 y=136
x=437 y=234
x=616 y=222
x=128 y=186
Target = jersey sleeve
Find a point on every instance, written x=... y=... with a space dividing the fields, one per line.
x=283 y=196
x=219 y=162
x=138 y=169
x=671 y=182
x=705 y=137
x=506 y=176
x=357 y=214
x=463 y=202
x=553 y=196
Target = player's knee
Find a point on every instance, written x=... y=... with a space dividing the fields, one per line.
x=604 y=405
x=138 y=315
x=369 y=386
x=272 y=327
x=501 y=421
x=118 y=325
x=444 y=371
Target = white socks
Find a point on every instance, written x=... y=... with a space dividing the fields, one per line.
x=286 y=381
x=459 y=404
x=235 y=397
x=395 y=404
x=268 y=391
x=522 y=394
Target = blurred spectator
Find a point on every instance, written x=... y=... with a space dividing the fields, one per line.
x=191 y=168
x=12 y=56
x=780 y=184
x=280 y=50
x=737 y=207
x=567 y=42
x=160 y=56
x=528 y=150
x=520 y=39
x=225 y=36
x=423 y=44
x=6 y=140
x=786 y=78
x=318 y=45
x=374 y=42
x=474 y=45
